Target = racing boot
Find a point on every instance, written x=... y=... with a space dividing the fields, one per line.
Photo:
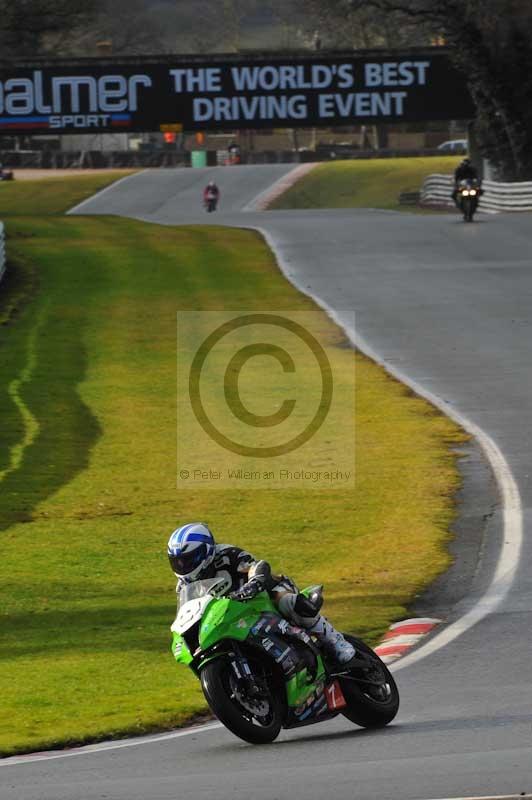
x=332 y=641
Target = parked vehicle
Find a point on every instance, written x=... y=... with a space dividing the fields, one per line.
x=454 y=147
x=260 y=673
x=6 y=174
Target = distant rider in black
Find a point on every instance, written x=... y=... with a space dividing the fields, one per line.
x=465 y=171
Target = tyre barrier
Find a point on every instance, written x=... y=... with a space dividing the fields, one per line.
x=437 y=189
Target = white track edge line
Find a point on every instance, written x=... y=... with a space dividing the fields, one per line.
x=508 y=560
x=87 y=750
x=113 y=185
x=492 y=797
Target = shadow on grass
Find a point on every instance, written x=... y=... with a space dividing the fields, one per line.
x=18 y=284
x=144 y=628
x=106 y=627
x=47 y=431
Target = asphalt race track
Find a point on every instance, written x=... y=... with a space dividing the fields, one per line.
x=449 y=306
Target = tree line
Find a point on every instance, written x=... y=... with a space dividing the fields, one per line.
x=491 y=41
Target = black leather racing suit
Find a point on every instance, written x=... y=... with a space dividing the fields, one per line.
x=234 y=564
x=464 y=172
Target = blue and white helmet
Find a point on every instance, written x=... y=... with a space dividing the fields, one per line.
x=191 y=548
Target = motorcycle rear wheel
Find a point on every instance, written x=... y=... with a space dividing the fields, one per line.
x=370 y=706
x=234 y=711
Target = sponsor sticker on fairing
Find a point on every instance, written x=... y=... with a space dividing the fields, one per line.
x=258 y=626
x=335 y=697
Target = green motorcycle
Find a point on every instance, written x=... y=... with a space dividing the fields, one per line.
x=260 y=673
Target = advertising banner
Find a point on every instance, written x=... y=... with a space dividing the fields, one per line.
x=230 y=92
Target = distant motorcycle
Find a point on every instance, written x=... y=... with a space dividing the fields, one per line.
x=211 y=202
x=468 y=196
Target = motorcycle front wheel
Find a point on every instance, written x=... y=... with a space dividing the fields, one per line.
x=255 y=719
x=371 y=692
x=468 y=210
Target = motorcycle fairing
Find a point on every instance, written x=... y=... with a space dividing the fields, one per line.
x=280 y=639
x=230 y=619
x=258 y=622
x=181 y=650
x=311 y=705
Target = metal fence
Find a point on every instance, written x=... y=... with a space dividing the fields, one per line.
x=2 y=251
x=437 y=190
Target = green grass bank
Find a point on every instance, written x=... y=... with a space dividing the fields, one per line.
x=372 y=183
x=87 y=473
x=53 y=195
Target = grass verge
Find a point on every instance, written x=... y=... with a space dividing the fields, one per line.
x=375 y=183
x=53 y=195
x=87 y=475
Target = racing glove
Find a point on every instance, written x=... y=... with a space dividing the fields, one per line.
x=247 y=591
x=260 y=576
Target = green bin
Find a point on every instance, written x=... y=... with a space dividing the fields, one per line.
x=199 y=158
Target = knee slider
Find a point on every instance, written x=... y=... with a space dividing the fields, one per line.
x=305 y=607
x=299 y=609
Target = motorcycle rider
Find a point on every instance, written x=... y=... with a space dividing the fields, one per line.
x=194 y=555
x=211 y=192
x=465 y=171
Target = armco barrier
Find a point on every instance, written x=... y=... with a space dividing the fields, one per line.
x=437 y=190
x=2 y=251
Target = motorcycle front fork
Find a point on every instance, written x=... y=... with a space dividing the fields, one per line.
x=243 y=673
